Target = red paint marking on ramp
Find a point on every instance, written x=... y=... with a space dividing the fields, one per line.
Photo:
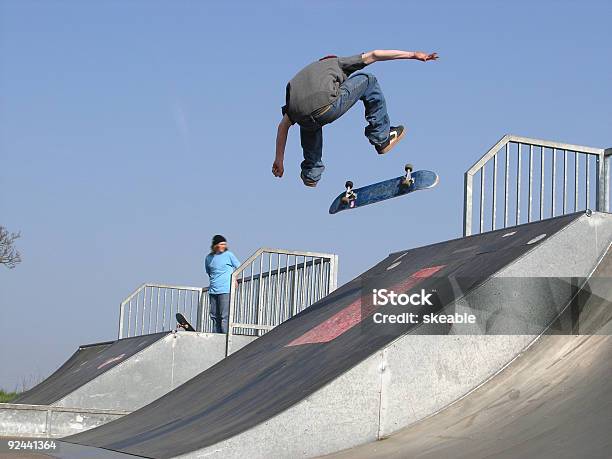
x=353 y=314
x=109 y=361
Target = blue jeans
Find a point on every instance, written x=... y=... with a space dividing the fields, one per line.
x=219 y=311
x=359 y=86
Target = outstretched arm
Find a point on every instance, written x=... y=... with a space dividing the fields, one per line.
x=281 y=141
x=392 y=54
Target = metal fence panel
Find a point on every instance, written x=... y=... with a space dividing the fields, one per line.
x=151 y=308
x=280 y=284
x=581 y=187
x=270 y=287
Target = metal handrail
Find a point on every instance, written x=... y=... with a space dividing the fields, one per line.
x=262 y=300
x=151 y=307
x=145 y=314
x=536 y=186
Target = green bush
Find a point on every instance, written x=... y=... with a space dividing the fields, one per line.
x=7 y=397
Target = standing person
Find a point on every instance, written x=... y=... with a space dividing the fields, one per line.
x=220 y=263
x=322 y=92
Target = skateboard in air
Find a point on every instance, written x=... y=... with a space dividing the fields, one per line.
x=182 y=322
x=381 y=191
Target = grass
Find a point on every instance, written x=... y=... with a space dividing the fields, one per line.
x=7 y=397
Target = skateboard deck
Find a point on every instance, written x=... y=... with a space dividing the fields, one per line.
x=381 y=191
x=182 y=322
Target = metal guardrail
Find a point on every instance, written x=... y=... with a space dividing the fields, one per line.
x=273 y=285
x=290 y=282
x=539 y=179
x=151 y=308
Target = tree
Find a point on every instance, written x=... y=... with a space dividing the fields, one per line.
x=9 y=256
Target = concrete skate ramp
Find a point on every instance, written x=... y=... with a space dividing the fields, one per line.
x=322 y=351
x=86 y=364
x=105 y=381
x=554 y=401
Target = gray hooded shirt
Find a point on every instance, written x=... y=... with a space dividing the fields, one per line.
x=318 y=85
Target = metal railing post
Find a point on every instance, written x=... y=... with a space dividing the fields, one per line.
x=587 y=175
x=553 y=193
x=518 y=185
x=576 y=176
x=542 y=180
x=230 y=316
x=603 y=181
x=259 y=310
x=468 y=182
x=606 y=160
x=200 y=311
x=121 y=319
x=506 y=184
x=494 y=200
x=482 y=199
x=294 y=290
x=530 y=185
x=333 y=273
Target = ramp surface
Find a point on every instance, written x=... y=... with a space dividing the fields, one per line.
x=552 y=402
x=105 y=381
x=299 y=357
x=86 y=364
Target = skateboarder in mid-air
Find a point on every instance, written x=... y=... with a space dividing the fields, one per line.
x=322 y=92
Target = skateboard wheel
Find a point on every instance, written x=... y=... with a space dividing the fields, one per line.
x=408 y=167
x=348 y=184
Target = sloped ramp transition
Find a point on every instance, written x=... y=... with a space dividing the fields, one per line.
x=102 y=382
x=329 y=379
x=554 y=401
x=85 y=365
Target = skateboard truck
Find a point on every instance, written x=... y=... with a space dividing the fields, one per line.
x=408 y=180
x=350 y=196
x=182 y=323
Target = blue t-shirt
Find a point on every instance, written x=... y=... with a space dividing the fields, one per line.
x=219 y=267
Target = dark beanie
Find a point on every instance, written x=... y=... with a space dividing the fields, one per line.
x=218 y=239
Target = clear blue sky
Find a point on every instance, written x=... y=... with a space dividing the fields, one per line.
x=132 y=131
